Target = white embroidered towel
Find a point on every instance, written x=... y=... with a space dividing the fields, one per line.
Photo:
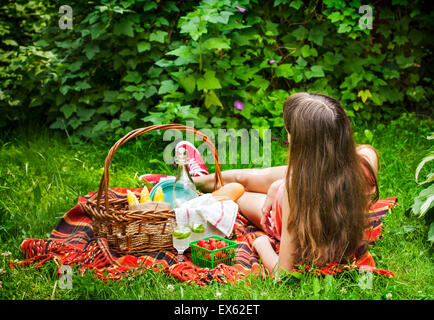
x=220 y=214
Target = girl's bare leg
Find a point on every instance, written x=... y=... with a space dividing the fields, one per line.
x=253 y=180
x=250 y=205
x=256 y=183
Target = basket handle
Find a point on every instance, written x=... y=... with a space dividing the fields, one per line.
x=103 y=186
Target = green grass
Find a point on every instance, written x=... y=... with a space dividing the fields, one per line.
x=42 y=175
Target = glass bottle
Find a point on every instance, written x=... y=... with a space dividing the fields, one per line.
x=184 y=188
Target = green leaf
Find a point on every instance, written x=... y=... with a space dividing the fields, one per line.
x=68 y=110
x=278 y=2
x=75 y=65
x=404 y=62
x=300 y=61
x=132 y=76
x=124 y=27
x=272 y=29
x=336 y=16
x=102 y=126
x=194 y=26
x=74 y=123
x=296 y=4
x=299 y=33
x=91 y=51
x=182 y=51
x=307 y=51
x=344 y=28
x=150 y=91
x=158 y=36
x=332 y=58
x=424 y=201
x=150 y=5
x=85 y=114
x=113 y=108
x=316 y=36
x=170 y=6
x=10 y=42
x=220 y=17
x=35 y=102
x=167 y=86
x=64 y=89
x=131 y=88
x=58 y=124
x=285 y=70
x=116 y=123
x=127 y=116
x=143 y=46
x=259 y=82
x=97 y=30
x=208 y=81
x=369 y=135
x=217 y=43
x=315 y=72
x=364 y=95
x=163 y=63
x=421 y=164
x=316 y=286
x=431 y=232
x=110 y=96
x=188 y=83
x=81 y=85
x=138 y=95
x=211 y=99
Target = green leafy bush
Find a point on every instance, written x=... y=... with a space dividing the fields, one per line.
x=132 y=63
x=424 y=202
x=22 y=57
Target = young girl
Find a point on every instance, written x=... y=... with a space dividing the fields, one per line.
x=317 y=204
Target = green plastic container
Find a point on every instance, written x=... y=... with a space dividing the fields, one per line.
x=205 y=258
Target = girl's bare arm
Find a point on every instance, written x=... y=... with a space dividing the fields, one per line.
x=287 y=248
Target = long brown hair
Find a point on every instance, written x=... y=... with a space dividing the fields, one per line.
x=326 y=184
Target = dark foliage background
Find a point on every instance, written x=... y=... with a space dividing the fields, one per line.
x=131 y=63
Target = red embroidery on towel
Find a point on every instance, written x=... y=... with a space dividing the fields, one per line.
x=221 y=217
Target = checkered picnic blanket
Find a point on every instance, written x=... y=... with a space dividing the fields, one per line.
x=72 y=242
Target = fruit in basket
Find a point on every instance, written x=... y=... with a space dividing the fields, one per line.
x=159 y=195
x=207 y=246
x=213 y=243
x=132 y=199
x=144 y=195
x=200 y=243
x=221 y=244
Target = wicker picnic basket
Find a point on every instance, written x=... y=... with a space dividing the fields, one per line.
x=136 y=232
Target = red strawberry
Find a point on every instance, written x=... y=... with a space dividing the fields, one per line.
x=207 y=246
x=200 y=243
x=213 y=241
x=221 y=244
x=213 y=245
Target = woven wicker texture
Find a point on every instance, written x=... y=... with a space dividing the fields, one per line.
x=136 y=232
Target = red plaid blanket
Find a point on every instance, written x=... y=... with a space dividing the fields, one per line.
x=73 y=242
